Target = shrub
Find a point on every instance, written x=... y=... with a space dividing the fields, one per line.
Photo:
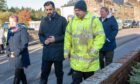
x=135 y=74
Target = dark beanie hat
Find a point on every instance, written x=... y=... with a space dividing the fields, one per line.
x=81 y=5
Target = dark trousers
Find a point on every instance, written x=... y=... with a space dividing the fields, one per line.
x=70 y=72
x=20 y=77
x=105 y=58
x=78 y=76
x=46 y=68
x=1 y=48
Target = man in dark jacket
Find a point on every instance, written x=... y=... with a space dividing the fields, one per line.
x=51 y=35
x=111 y=29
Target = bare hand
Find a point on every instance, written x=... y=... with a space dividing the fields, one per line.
x=12 y=55
x=51 y=39
x=47 y=41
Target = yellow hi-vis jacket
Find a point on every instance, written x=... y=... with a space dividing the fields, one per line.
x=83 y=40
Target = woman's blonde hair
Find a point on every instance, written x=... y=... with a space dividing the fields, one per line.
x=14 y=17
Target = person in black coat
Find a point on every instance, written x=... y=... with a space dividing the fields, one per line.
x=17 y=48
x=110 y=26
x=51 y=35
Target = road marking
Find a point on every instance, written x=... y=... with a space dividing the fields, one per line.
x=10 y=77
x=7 y=79
x=3 y=61
x=29 y=52
x=8 y=60
x=2 y=56
x=35 y=50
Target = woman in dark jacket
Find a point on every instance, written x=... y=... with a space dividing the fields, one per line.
x=17 y=48
x=110 y=26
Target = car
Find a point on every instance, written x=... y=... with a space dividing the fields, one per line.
x=5 y=25
x=127 y=24
x=135 y=24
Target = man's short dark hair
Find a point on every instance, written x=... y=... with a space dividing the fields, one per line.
x=106 y=9
x=49 y=3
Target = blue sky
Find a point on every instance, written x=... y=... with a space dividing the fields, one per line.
x=35 y=4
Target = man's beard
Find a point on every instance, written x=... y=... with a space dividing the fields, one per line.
x=49 y=15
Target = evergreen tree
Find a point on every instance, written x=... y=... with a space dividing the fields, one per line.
x=3 y=5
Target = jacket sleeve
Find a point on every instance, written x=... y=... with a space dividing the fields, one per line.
x=24 y=36
x=67 y=41
x=61 y=38
x=99 y=37
x=41 y=33
x=114 y=28
x=7 y=44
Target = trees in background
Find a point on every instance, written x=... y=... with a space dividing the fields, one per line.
x=25 y=14
x=4 y=16
x=37 y=14
x=3 y=5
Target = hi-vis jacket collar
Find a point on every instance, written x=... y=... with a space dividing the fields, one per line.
x=86 y=17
